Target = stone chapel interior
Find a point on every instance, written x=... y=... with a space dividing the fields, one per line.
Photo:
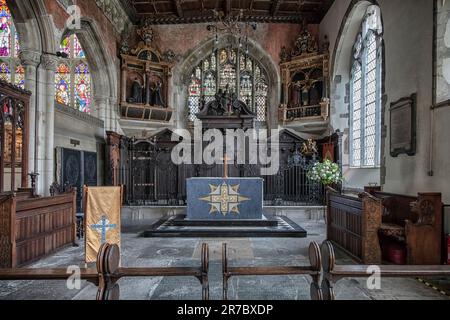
x=100 y=93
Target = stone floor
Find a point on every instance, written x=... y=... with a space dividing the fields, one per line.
x=186 y=252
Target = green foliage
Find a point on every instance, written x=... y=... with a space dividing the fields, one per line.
x=326 y=172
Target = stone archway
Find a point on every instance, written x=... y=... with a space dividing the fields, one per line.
x=182 y=72
x=341 y=62
x=103 y=71
x=342 y=57
x=38 y=43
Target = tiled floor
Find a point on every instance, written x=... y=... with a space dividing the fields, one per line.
x=186 y=252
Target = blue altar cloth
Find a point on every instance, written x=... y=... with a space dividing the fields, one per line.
x=224 y=198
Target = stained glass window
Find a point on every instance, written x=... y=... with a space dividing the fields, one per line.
x=10 y=68
x=365 y=124
x=73 y=79
x=232 y=70
x=63 y=84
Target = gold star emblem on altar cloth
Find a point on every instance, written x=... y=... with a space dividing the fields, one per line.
x=224 y=199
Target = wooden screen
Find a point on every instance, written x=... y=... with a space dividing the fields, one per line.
x=14 y=135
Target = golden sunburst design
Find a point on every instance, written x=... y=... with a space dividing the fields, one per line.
x=224 y=199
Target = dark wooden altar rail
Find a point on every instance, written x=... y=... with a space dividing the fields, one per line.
x=31 y=228
x=108 y=272
x=352 y=224
x=332 y=273
x=313 y=270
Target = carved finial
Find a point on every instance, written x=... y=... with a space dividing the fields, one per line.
x=325 y=44
x=284 y=56
x=125 y=45
x=305 y=43
x=146 y=33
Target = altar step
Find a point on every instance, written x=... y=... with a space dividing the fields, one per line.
x=173 y=227
x=139 y=216
x=181 y=221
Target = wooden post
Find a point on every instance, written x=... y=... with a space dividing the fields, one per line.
x=85 y=193
x=225 y=166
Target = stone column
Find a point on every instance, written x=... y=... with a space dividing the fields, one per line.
x=101 y=105
x=30 y=60
x=46 y=122
x=113 y=115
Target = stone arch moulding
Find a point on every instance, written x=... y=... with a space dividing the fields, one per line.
x=342 y=55
x=34 y=25
x=182 y=73
x=104 y=71
x=341 y=65
x=353 y=17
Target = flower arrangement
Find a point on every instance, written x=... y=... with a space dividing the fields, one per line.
x=326 y=172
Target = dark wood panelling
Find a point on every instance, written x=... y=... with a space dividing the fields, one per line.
x=31 y=228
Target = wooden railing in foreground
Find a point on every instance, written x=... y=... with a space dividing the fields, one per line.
x=332 y=273
x=313 y=270
x=108 y=272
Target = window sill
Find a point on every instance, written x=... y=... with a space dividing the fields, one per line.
x=365 y=168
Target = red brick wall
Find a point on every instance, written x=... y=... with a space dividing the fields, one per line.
x=271 y=37
x=91 y=10
x=181 y=38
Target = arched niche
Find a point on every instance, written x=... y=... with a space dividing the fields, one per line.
x=102 y=69
x=183 y=70
x=341 y=62
x=34 y=26
x=342 y=58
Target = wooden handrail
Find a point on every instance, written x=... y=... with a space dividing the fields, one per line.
x=313 y=270
x=108 y=272
x=332 y=273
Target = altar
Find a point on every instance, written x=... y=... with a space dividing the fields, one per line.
x=224 y=199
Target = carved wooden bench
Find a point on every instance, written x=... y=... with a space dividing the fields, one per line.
x=414 y=224
x=313 y=270
x=332 y=273
x=108 y=272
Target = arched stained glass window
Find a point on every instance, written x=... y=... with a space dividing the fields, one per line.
x=10 y=68
x=365 y=124
x=73 y=79
x=232 y=70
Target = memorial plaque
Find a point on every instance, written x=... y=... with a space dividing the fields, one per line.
x=403 y=127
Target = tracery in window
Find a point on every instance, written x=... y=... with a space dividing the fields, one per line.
x=232 y=70
x=73 y=79
x=10 y=68
x=365 y=124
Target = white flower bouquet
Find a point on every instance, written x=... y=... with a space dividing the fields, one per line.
x=327 y=172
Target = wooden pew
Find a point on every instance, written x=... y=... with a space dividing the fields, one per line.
x=332 y=273
x=353 y=223
x=34 y=227
x=108 y=272
x=313 y=270
x=413 y=224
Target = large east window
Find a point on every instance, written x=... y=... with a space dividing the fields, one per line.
x=232 y=70
x=365 y=108
x=10 y=68
x=73 y=80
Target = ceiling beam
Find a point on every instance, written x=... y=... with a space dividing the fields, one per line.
x=312 y=16
x=178 y=7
